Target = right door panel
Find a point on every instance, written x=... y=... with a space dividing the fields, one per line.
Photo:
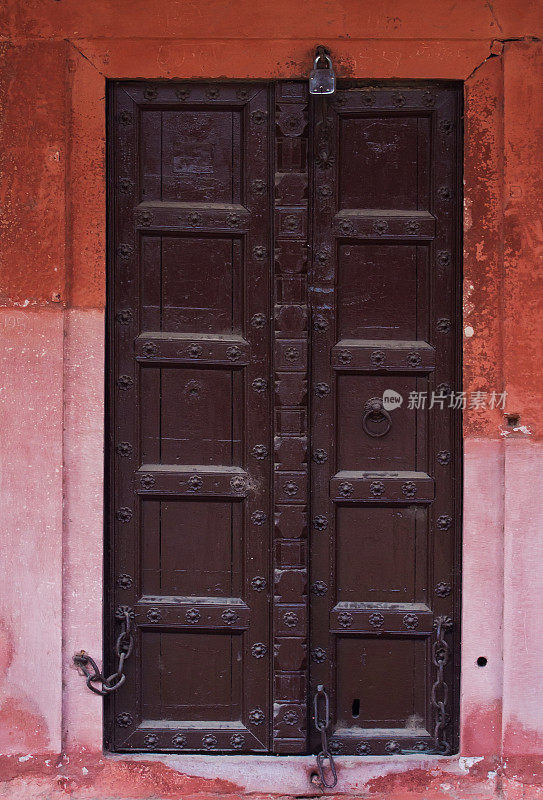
x=386 y=481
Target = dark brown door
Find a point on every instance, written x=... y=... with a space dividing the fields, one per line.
x=274 y=269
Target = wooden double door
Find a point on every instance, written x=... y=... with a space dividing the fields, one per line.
x=277 y=266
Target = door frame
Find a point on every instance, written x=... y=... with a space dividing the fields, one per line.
x=91 y=65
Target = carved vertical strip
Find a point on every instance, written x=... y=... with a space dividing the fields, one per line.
x=291 y=419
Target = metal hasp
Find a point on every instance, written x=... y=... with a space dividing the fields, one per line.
x=322 y=80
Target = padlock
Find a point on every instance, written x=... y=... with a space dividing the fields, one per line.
x=322 y=80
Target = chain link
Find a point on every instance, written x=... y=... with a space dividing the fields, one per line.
x=321 y=724
x=123 y=648
x=440 y=690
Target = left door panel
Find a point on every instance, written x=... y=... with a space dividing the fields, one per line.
x=189 y=414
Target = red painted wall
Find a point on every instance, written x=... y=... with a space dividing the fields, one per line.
x=55 y=56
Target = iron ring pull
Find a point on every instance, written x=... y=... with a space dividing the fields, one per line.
x=375 y=412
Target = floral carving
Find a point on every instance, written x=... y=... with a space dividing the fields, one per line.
x=345 y=619
x=367 y=97
x=195 y=482
x=443 y=589
x=259 y=384
x=154 y=615
x=259 y=650
x=192 y=616
x=392 y=747
x=259 y=252
x=322 y=255
x=179 y=740
x=256 y=716
x=124 y=514
x=126 y=186
x=319 y=588
x=444 y=522
x=318 y=655
x=292 y=123
x=121 y=612
x=321 y=389
x=233 y=353
x=320 y=456
x=414 y=359
x=124 y=581
x=335 y=746
x=363 y=749
x=443 y=258
x=420 y=746
x=444 y=325
x=444 y=389
x=151 y=740
x=258 y=117
x=345 y=356
x=292 y=353
x=258 y=320
x=194 y=219
x=377 y=488
x=446 y=126
x=237 y=741
x=125 y=118
x=182 y=92
x=233 y=220
x=290 y=619
x=258 y=518
x=124 y=449
x=320 y=523
x=229 y=616
x=258 y=186
x=444 y=457
x=290 y=717
x=409 y=489
x=345 y=489
x=259 y=452
x=212 y=92
x=144 y=218
x=398 y=99
x=444 y=192
x=124 y=317
x=380 y=226
x=125 y=382
x=150 y=93
x=147 y=481
x=259 y=583
x=325 y=190
x=124 y=719
x=428 y=98
x=411 y=621
x=376 y=620
x=346 y=227
x=125 y=250
x=194 y=351
x=209 y=742
x=238 y=483
x=149 y=349
x=378 y=358
x=412 y=227
x=324 y=158
x=320 y=323
x=290 y=488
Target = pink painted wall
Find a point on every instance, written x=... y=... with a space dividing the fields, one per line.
x=56 y=57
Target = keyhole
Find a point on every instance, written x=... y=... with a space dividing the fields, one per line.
x=356 y=708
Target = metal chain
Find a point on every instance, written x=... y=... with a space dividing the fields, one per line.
x=321 y=724
x=123 y=649
x=440 y=690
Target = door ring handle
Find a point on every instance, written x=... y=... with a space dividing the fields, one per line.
x=375 y=414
